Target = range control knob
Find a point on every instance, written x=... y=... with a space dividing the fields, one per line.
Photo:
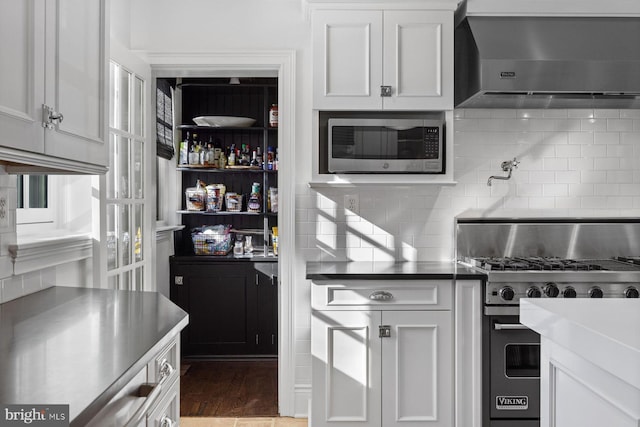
x=551 y=290
x=569 y=292
x=595 y=292
x=631 y=292
x=534 y=292
x=507 y=293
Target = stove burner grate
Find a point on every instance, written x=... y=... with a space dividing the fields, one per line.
x=537 y=263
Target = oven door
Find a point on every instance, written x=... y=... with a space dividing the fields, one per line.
x=514 y=370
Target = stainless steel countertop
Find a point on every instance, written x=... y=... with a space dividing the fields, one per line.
x=79 y=346
x=365 y=270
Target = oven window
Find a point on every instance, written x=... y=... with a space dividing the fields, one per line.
x=522 y=360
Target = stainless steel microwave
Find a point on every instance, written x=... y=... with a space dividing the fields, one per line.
x=381 y=145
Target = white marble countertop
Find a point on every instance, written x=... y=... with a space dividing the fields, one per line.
x=605 y=332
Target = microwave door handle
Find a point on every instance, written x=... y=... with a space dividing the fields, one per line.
x=508 y=326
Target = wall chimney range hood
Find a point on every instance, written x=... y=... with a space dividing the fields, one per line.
x=547 y=62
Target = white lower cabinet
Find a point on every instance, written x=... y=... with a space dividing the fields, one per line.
x=382 y=366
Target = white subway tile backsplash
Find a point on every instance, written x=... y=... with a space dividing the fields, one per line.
x=555 y=164
x=630 y=114
x=556 y=113
x=606 y=114
x=620 y=176
x=568 y=151
x=621 y=151
x=555 y=190
x=619 y=125
x=582 y=138
x=595 y=202
x=606 y=138
x=581 y=190
x=593 y=177
x=606 y=189
x=529 y=190
x=580 y=163
x=567 y=177
x=542 y=202
x=476 y=113
x=568 y=203
x=542 y=177
x=580 y=113
x=607 y=163
x=629 y=189
x=593 y=125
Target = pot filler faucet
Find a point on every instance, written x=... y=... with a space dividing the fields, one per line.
x=506 y=166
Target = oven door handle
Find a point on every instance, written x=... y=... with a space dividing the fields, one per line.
x=508 y=326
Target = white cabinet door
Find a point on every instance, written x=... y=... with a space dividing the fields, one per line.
x=77 y=78
x=356 y=52
x=345 y=369
x=417 y=369
x=418 y=59
x=21 y=74
x=347 y=56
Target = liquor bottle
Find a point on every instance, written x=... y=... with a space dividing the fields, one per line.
x=259 y=156
x=254 y=204
x=254 y=159
x=184 y=151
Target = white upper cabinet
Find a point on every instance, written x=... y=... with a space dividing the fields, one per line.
x=53 y=63
x=383 y=59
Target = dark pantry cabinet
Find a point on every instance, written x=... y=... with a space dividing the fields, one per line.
x=232 y=307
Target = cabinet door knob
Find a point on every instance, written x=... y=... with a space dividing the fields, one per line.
x=381 y=296
x=385 y=91
x=166 y=422
x=165 y=369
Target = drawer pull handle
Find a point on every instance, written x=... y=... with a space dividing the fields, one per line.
x=165 y=369
x=381 y=296
x=151 y=392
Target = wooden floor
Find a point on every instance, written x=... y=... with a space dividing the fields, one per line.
x=243 y=422
x=229 y=388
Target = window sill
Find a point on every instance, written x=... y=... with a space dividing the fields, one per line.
x=165 y=232
x=36 y=252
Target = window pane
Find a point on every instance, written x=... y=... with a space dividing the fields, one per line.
x=138 y=169
x=122 y=168
x=125 y=234
x=138 y=106
x=38 y=191
x=112 y=238
x=122 y=117
x=139 y=223
x=113 y=71
x=112 y=174
x=20 y=187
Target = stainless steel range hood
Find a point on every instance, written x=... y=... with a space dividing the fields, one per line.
x=547 y=62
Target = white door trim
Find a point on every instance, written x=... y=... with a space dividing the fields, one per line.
x=261 y=63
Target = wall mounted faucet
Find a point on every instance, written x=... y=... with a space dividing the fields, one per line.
x=506 y=166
